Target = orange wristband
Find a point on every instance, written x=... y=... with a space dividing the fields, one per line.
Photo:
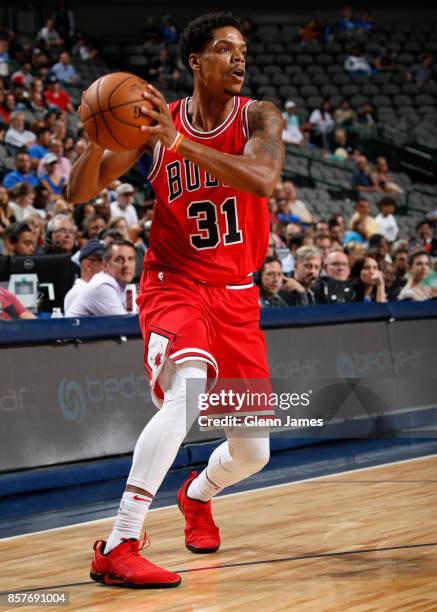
x=176 y=143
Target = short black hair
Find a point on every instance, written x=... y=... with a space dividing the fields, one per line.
x=14 y=231
x=198 y=32
x=268 y=260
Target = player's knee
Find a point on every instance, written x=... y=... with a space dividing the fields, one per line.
x=185 y=380
x=251 y=454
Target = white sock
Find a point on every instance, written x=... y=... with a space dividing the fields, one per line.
x=130 y=518
x=202 y=488
x=232 y=461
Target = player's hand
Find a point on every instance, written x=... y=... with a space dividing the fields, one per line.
x=164 y=128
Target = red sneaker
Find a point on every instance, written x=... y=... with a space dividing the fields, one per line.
x=125 y=567
x=201 y=533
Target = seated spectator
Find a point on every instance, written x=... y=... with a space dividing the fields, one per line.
x=366 y=115
x=12 y=308
x=356 y=234
x=336 y=229
x=17 y=135
x=94 y=226
x=4 y=58
x=399 y=274
x=362 y=210
x=418 y=270
x=22 y=197
x=298 y=291
x=123 y=206
x=363 y=179
x=20 y=239
x=91 y=263
x=52 y=180
x=383 y=178
x=347 y=23
x=6 y=213
x=323 y=243
x=60 y=235
x=169 y=31
x=385 y=61
x=387 y=225
x=164 y=70
x=357 y=63
x=6 y=107
x=368 y=280
x=296 y=207
x=321 y=123
x=55 y=146
x=334 y=287
x=84 y=50
x=294 y=242
x=56 y=96
x=424 y=231
x=105 y=293
x=50 y=35
x=292 y=133
x=64 y=71
x=309 y=32
x=345 y=115
x=339 y=146
x=322 y=227
x=365 y=24
x=379 y=248
x=271 y=282
x=120 y=225
x=25 y=73
x=39 y=148
x=422 y=71
x=355 y=250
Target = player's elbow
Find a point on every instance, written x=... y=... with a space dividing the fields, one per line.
x=264 y=187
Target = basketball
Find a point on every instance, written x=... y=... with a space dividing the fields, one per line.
x=110 y=111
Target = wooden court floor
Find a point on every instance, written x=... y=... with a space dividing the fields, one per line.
x=360 y=541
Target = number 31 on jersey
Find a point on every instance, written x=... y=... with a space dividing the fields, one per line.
x=206 y=214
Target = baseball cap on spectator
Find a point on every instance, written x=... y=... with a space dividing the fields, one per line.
x=17 y=79
x=290 y=104
x=52 y=79
x=92 y=247
x=124 y=189
x=49 y=158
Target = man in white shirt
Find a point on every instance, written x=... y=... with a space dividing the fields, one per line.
x=91 y=263
x=386 y=220
x=123 y=206
x=17 y=135
x=105 y=294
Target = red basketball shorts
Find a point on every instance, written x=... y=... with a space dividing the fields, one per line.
x=183 y=319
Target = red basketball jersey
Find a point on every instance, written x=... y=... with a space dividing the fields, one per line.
x=203 y=228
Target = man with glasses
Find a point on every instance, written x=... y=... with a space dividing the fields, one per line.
x=91 y=262
x=334 y=287
x=61 y=235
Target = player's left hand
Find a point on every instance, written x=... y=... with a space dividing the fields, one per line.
x=164 y=128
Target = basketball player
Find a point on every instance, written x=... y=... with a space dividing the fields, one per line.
x=216 y=158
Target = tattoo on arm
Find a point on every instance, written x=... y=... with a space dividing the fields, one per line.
x=266 y=133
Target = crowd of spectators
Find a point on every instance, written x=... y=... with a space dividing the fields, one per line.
x=310 y=259
x=344 y=259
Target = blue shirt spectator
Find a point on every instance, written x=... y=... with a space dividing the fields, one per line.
x=22 y=174
x=347 y=23
x=64 y=71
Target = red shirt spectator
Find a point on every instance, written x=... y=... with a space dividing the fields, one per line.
x=12 y=308
x=56 y=96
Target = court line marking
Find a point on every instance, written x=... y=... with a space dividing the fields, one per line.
x=245 y=564
x=226 y=495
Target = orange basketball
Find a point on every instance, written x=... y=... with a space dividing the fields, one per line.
x=110 y=111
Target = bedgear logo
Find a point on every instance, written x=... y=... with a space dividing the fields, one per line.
x=360 y=365
x=345 y=366
x=74 y=397
x=71 y=400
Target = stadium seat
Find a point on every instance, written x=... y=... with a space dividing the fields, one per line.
x=308 y=90
x=314 y=102
x=301 y=79
x=272 y=69
x=329 y=90
x=390 y=89
x=292 y=69
x=303 y=59
x=313 y=69
x=280 y=79
x=321 y=79
x=285 y=59
x=288 y=91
